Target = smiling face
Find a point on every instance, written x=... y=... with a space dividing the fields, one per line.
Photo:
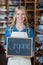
x=20 y=16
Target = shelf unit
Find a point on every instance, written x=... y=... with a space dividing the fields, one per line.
x=29 y=4
x=31 y=10
x=3 y=19
x=39 y=33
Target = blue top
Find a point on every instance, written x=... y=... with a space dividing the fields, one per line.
x=8 y=33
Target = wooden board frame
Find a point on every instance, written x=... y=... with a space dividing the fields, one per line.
x=16 y=48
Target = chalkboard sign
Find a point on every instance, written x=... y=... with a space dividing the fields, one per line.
x=19 y=46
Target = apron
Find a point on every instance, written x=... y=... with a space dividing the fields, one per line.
x=19 y=60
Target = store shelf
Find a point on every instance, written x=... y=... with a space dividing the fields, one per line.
x=2 y=41
x=3 y=19
x=29 y=1
x=39 y=33
x=41 y=9
x=2 y=32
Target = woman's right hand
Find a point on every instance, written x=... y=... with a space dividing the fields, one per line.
x=7 y=56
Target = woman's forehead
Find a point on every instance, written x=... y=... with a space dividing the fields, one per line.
x=20 y=11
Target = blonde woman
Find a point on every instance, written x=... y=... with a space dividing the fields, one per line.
x=19 y=24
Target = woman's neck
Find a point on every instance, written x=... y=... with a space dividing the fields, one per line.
x=20 y=26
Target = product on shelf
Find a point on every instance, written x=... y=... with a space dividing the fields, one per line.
x=12 y=8
x=3 y=8
x=15 y=2
x=39 y=59
x=39 y=29
x=40 y=4
x=1 y=37
x=41 y=19
x=2 y=16
x=30 y=14
x=30 y=6
x=11 y=14
x=39 y=38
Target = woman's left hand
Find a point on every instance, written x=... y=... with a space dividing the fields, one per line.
x=27 y=57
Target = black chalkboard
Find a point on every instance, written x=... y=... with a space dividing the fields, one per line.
x=19 y=46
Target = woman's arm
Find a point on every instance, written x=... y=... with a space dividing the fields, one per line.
x=31 y=35
x=7 y=33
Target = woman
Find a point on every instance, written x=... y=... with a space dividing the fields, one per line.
x=19 y=24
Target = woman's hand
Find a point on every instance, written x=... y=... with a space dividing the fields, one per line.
x=27 y=57
x=7 y=56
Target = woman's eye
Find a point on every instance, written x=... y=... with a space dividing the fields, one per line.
x=18 y=14
x=22 y=13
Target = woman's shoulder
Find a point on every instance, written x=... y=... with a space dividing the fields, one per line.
x=30 y=31
x=7 y=31
x=7 y=28
x=29 y=28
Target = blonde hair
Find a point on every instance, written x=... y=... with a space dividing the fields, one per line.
x=14 y=17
